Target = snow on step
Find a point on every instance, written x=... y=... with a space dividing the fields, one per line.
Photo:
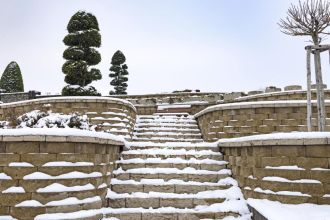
x=169 y=169
x=172 y=160
x=57 y=187
x=223 y=182
x=188 y=170
x=170 y=152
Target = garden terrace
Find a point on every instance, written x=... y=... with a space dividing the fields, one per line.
x=110 y=114
x=55 y=170
x=290 y=168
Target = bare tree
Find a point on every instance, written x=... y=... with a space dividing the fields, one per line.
x=310 y=18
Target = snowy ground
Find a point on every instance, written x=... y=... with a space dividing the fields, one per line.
x=272 y=210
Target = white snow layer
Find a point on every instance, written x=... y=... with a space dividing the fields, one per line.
x=277 y=211
x=57 y=187
x=71 y=175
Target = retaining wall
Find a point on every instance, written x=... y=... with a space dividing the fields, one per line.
x=300 y=163
x=24 y=154
x=250 y=118
x=112 y=114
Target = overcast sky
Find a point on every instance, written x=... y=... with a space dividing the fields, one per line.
x=211 y=45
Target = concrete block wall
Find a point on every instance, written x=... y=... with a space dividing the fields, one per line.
x=301 y=167
x=251 y=118
x=93 y=106
x=37 y=151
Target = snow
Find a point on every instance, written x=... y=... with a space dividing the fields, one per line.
x=163 y=107
x=7 y=217
x=67 y=164
x=172 y=160
x=57 y=187
x=168 y=152
x=272 y=210
x=74 y=98
x=72 y=215
x=294 y=167
x=20 y=164
x=281 y=179
x=66 y=132
x=4 y=176
x=187 y=170
x=14 y=189
x=29 y=203
x=171 y=144
x=278 y=136
x=286 y=193
x=222 y=182
x=320 y=169
x=71 y=175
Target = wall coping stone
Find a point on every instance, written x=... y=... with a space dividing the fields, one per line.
x=79 y=99
x=59 y=135
x=278 y=139
x=256 y=104
x=270 y=94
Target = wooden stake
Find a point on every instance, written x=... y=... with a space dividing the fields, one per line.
x=320 y=92
x=309 y=95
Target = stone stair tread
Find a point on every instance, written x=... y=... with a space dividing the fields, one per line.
x=171 y=161
x=188 y=170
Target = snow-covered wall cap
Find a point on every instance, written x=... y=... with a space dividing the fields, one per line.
x=71 y=99
x=257 y=104
x=284 y=139
x=269 y=94
x=59 y=135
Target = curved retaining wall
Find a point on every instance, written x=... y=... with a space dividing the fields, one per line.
x=112 y=114
x=82 y=162
x=250 y=118
x=290 y=168
x=285 y=95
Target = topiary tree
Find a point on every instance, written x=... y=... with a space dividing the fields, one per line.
x=83 y=35
x=11 y=79
x=119 y=74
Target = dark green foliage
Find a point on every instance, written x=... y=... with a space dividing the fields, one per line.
x=79 y=91
x=11 y=79
x=83 y=35
x=119 y=74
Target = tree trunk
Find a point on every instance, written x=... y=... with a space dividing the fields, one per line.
x=309 y=95
x=320 y=91
x=319 y=85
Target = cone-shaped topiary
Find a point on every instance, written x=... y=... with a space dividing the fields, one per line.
x=11 y=79
x=83 y=35
x=119 y=74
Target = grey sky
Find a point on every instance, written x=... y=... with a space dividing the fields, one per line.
x=212 y=45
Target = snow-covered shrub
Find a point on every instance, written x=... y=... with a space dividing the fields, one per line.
x=38 y=119
x=75 y=90
x=30 y=119
x=4 y=125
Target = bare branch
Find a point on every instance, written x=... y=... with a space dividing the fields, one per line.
x=309 y=18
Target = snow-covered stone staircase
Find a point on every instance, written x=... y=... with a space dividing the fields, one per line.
x=169 y=173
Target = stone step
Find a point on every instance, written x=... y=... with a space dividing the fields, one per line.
x=165 y=120
x=167 y=125
x=188 y=174
x=172 y=186
x=177 y=146
x=164 y=140
x=31 y=212
x=178 y=163
x=162 y=135
x=170 y=216
x=168 y=153
x=162 y=202
x=166 y=130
